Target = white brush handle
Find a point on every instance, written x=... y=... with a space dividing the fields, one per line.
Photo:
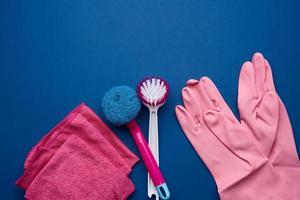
x=153 y=144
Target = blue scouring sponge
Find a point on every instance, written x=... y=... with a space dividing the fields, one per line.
x=120 y=105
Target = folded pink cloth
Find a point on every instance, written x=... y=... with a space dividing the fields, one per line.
x=83 y=123
x=78 y=171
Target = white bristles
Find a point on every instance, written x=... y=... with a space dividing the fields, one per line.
x=153 y=90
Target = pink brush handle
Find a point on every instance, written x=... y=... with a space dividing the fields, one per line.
x=151 y=165
x=147 y=156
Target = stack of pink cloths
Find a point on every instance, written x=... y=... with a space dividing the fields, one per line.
x=81 y=158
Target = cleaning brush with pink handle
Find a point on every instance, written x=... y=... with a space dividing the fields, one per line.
x=153 y=92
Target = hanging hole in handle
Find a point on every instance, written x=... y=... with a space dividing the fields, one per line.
x=163 y=191
x=154 y=197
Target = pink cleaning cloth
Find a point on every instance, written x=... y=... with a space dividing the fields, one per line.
x=85 y=124
x=79 y=171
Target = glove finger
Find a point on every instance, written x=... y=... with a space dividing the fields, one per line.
x=205 y=143
x=260 y=73
x=196 y=89
x=268 y=111
x=186 y=121
x=269 y=77
x=216 y=98
x=247 y=96
x=191 y=102
x=267 y=122
x=196 y=100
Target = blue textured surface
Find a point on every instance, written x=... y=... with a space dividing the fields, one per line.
x=120 y=105
x=55 y=54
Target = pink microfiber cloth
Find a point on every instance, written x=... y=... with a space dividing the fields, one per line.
x=82 y=123
x=77 y=171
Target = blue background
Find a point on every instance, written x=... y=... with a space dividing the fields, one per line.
x=55 y=54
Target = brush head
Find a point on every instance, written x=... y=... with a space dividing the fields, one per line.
x=153 y=91
x=120 y=105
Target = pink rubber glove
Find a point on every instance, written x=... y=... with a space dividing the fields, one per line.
x=263 y=112
x=239 y=167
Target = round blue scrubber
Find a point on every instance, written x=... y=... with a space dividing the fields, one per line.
x=120 y=105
